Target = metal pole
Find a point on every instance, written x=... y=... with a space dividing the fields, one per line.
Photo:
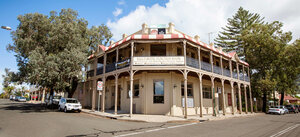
x=98 y=101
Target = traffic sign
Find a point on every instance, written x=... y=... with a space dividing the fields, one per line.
x=99 y=85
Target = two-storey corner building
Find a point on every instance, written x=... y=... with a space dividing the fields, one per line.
x=160 y=70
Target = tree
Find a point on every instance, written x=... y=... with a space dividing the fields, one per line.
x=264 y=42
x=231 y=36
x=99 y=35
x=288 y=70
x=52 y=50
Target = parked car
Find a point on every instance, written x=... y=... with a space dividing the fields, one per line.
x=298 y=106
x=292 y=108
x=12 y=97
x=22 y=99
x=286 y=111
x=17 y=98
x=69 y=104
x=276 y=110
x=54 y=102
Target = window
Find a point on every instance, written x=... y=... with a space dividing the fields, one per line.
x=206 y=92
x=158 y=91
x=161 y=31
x=189 y=89
x=179 y=51
x=193 y=55
x=136 y=88
x=158 y=50
x=205 y=59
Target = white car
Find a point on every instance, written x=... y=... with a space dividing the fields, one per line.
x=22 y=99
x=276 y=110
x=69 y=104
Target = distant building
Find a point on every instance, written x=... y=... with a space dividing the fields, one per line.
x=290 y=99
x=159 y=70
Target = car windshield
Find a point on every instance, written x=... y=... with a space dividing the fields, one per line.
x=56 y=97
x=72 y=101
x=22 y=98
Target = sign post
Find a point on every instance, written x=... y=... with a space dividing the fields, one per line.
x=99 y=88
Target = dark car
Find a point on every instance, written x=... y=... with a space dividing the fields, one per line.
x=292 y=108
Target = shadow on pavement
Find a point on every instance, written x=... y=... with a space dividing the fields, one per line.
x=26 y=107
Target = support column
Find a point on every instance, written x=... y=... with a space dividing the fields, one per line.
x=103 y=93
x=232 y=96
x=240 y=98
x=184 y=52
x=43 y=96
x=35 y=96
x=94 y=83
x=221 y=62
x=116 y=93
x=223 y=98
x=238 y=70
x=211 y=61
x=244 y=74
x=83 y=96
x=213 y=95
x=251 y=100
x=199 y=57
x=201 y=94
x=246 y=104
x=185 y=93
x=39 y=99
x=131 y=79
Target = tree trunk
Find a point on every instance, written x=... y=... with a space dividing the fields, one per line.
x=72 y=90
x=282 y=98
x=264 y=109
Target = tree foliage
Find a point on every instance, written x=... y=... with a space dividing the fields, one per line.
x=52 y=50
x=231 y=36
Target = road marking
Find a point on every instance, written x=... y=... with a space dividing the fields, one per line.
x=158 y=129
x=285 y=130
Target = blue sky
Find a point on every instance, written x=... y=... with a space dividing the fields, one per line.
x=96 y=12
x=193 y=17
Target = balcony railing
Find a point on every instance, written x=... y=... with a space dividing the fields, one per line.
x=192 y=62
x=205 y=66
x=217 y=70
x=226 y=72
x=110 y=67
x=90 y=73
x=247 y=79
x=99 y=70
x=241 y=75
x=234 y=75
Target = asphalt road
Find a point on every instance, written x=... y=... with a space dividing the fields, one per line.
x=32 y=120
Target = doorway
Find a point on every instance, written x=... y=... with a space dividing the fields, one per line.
x=118 y=98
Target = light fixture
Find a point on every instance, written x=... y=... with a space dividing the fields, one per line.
x=142 y=85
x=175 y=86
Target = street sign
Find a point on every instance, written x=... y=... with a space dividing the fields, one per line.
x=99 y=85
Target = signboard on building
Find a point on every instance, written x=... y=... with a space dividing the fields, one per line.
x=190 y=102
x=171 y=60
x=99 y=85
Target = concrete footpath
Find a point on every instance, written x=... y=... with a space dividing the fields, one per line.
x=165 y=118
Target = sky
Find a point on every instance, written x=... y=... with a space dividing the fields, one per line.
x=193 y=17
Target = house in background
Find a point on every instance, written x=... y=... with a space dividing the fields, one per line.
x=160 y=70
x=290 y=99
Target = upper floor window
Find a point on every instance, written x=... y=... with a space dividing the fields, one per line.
x=158 y=50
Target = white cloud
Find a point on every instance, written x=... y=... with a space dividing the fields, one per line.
x=121 y=2
x=117 y=12
x=201 y=17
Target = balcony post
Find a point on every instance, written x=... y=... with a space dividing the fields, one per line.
x=237 y=70
x=223 y=98
x=116 y=93
x=213 y=94
x=240 y=98
x=211 y=61
x=199 y=57
x=244 y=72
x=117 y=56
x=201 y=94
x=95 y=66
x=184 y=51
x=249 y=74
x=232 y=96
x=131 y=80
x=104 y=80
x=185 y=93
x=94 y=83
x=246 y=104
x=251 y=100
x=230 y=67
x=221 y=61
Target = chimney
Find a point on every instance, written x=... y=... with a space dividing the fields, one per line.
x=171 y=27
x=197 y=38
x=111 y=42
x=211 y=44
x=144 y=28
x=124 y=36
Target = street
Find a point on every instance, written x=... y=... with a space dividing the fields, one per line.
x=32 y=120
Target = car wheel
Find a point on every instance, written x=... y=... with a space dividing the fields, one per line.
x=65 y=110
x=59 y=109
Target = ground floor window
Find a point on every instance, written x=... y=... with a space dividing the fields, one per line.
x=206 y=92
x=158 y=91
x=189 y=89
